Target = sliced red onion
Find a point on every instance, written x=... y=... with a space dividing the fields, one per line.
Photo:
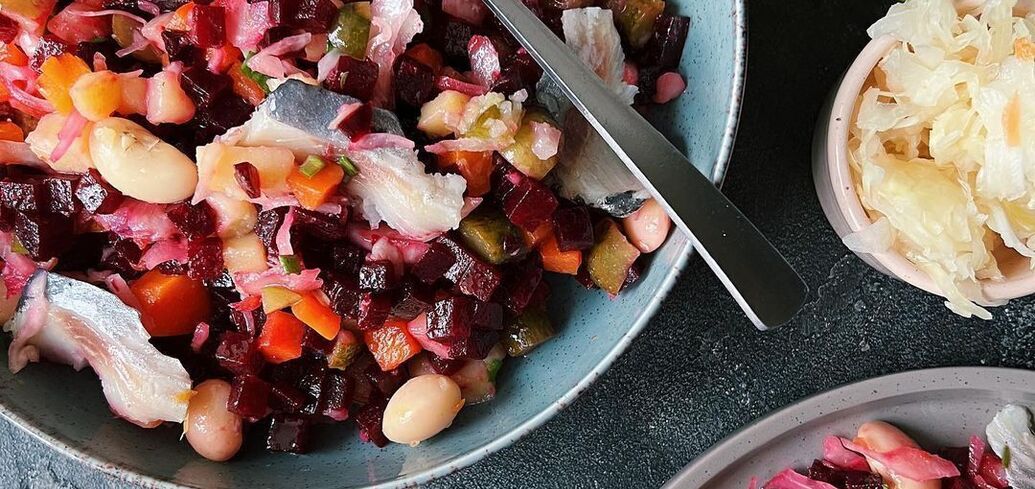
x=21 y=96
x=464 y=144
x=100 y=63
x=283 y=238
x=836 y=453
x=547 y=140
x=450 y=83
x=470 y=11
x=101 y=13
x=377 y=140
x=485 y=61
x=201 y=333
x=149 y=7
x=344 y=111
x=73 y=127
x=326 y=64
x=139 y=42
x=908 y=462
x=163 y=251
x=252 y=283
x=118 y=286
x=393 y=23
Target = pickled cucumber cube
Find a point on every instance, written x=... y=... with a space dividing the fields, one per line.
x=491 y=235
x=610 y=258
x=528 y=331
x=351 y=30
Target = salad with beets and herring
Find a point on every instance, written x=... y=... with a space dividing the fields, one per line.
x=279 y=214
x=881 y=456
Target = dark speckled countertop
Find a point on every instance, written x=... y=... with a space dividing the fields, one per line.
x=699 y=371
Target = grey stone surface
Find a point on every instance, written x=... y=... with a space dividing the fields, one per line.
x=699 y=371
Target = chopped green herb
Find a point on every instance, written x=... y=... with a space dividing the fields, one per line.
x=312 y=165
x=1006 y=456
x=493 y=366
x=348 y=165
x=290 y=263
x=254 y=75
x=18 y=247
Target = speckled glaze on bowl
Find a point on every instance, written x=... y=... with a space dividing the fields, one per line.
x=66 y=409
x=940 y=407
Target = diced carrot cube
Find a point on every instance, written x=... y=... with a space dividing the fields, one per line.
x=10 y=53
x=315 y=313
x=171 y=305
x=315 y=190
x=474 y=166
x=391 y=345
x=57 y=75
x=247 y=88
x=281 y=337
x=555 y=260
x=542 y=232
x=10 y=131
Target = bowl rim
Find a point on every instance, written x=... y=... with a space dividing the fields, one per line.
x=740 y=48
x=843 y=183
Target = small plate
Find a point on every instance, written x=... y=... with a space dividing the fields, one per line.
x=938 y=407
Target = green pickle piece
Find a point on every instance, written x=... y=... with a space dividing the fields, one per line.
x=636 y=18
x=529 y=330
x=480 y=128
x=520 y=153
x=122 y=31
x=610 y=258
x=345 y=351
x=351 y=31
x=491 y=235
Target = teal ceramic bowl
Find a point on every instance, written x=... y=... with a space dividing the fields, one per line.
x=66 y=409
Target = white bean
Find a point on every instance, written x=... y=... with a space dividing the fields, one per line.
x=139 y=164
x=648 y=227
x=883 y=437
x=166 y=100
x=211 y=429
x=421 y=408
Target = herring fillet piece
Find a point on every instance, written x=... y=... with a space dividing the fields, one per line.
x=391 y=186
x=296 y=115
x=1011 y=429
x=75 y=323
x=589 y=171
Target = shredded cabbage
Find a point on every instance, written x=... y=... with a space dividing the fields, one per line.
x=940 y=144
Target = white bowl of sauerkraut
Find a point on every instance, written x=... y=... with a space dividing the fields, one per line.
x=925 y=161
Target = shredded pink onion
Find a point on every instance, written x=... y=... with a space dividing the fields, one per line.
x=464 y=144
x=246 y=22
x=18 y=153
x=252 y=283
x=344 y=111
x=163 y=251
x=385 y=250
x=450 y=83
x=485 y=61
x=149 y=7
x=248 y=304
x=283 y=238
x=17 y=270
x=909 y=462
x=393 y=23
x=789 y=479
x=100 y=63
x=471 y=11
x=669 y=86
x=143 y=222
x=326 y=64
x=547 y=140
x=267 y=60
x=152 y=32
x=71 y=130
x=376 y=140
x=102 y=13
x=630 y=74
x=412 y=250
x=836 y=453
x=21 y=96
x=470 y=204
x=418 y=328
x=139 y=42
x=118 y=286
x=201 y=333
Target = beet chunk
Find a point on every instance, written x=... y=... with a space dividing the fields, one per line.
x=344 y=294
x=347 y=259
x=573 y=229
x=529 y=203
x=445 y=366
x=470 y=328
x=206 y=258
x=377 y=276
x=337 y=396
x=24 y=195
x=203 y=86
x=238 y=353
x=414 y=82
x=358 y=122
x=449 y=260
x=266 y=227
x=8 y=29
x=310 y=15
x=285 y=398
x=249 y=397
x=519 y=288
x=320 y=225
x=374 y=310
x=96 y=195
x=207 y=26
x=665 y=46
x=288 y=434
x=353 y=77
x=178 y=46
x=414 y=299
x=369 y=420
x=43 y=237
x=194 y=221
x=60 y=192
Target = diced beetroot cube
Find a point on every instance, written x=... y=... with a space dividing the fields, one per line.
x=24 y=195
x=288 y=434
x=530 y=203
x=238 y=354
x=476 y=346
x=414 y=299
x=369 y=420
x=453 y=319
x=203 y=86
x=479 y=280
x=358 y=122
x=8 y=29
x=122 y=256
x=247 y=176
x=194 y=221
x=436 y=262
x=573 y=228
x=452 y=35
x=312 y=385
x=343 y=293
x=665 y=46
x=60 y=191
x=226 y=111
x=313 y=343
x=347 y=259
x=249 y=397
x=321 y=225
x=267 y=225
x=540 y=296
x=520 y=71
x=414 y=82
x=310 y=15
x=444 y=366
x=520 y=285
x=374 y=310
x=247 y=322
x=7 y=217
x=207 y=25
x=385 y=382
x=337 y=396
x=43 y=237
x=647 y=83
x=96 y=195
x=378 y=276
x=206 y=258
x=178 y=46
x=353 y=77
x=286 y=398
x=48 y=45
